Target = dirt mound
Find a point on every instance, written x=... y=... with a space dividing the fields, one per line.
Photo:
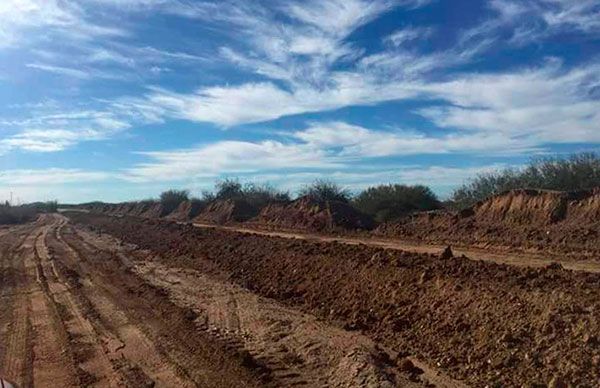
x=564 y=222
x=308 y=214
x=186 y=210
x=523 y=207
x=156 y=210
x=489 y=324
x=227 y=211
x=584 y=206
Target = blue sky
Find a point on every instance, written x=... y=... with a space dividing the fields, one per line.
x=120 y=99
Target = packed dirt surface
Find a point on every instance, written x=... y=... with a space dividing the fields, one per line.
x=526 y=220
x=481 y=323
x=80 y=308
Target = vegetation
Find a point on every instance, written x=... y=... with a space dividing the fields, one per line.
x=171 y=199
x=390 y=202
x=325 y=190
x=576 y=172
x=16 y=214
x=45 y=207
x=254 y=194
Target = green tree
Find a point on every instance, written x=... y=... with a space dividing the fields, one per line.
x=325 y=190
x=389 y=202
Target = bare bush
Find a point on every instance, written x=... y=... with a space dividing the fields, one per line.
x=576 y=172
x=325 y=190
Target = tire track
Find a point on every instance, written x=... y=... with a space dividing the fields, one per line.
x=16 y=362
x=94 y=367
x=136 y=351
x=132 y=318
x=52 y=357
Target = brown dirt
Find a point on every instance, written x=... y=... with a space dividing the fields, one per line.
x=186 y=211
x=71 y=316
x=530 y=220
x=308 y=214
x=227 y=211
x=481 y=322
x=79 y=308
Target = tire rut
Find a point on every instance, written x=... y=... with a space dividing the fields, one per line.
x=161 y=353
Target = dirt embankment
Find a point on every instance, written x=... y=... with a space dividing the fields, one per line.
x=485 y=323
x=227 y=211
x=562 y=222
x=308 y=214
x=186 y=211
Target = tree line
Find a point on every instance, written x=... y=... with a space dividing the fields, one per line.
x=388 y=202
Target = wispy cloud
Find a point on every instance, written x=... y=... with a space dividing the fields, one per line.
x=320 y=146
x=51 y=176
x=59 y=131
x=67 y=71
x=543 y=104
x=22 y=20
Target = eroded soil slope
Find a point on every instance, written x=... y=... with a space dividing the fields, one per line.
x=484 y=323
x=547 y=221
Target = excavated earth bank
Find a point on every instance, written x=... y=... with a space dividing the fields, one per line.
x=535 y=220
x=484 y=323
x=308 y=214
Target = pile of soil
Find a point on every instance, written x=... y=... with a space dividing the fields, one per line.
x=155 y=210
x=227 y=211
x=308 y=214
x=186 y=211
x=561 y=222
x=485 y=323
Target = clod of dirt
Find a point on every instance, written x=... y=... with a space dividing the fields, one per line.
x=447 y=254
x=556 y=266
x=406 y=365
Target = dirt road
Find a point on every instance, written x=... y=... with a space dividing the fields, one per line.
x=83 y=309
x=523 y=259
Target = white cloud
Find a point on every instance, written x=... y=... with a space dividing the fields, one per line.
x=408 y=34
x=543 y=105
x=227 y=157
x=67 y=71
x=536 y=20
x=57 y=132
x=320 y=146
x=18 y=18
x=51 y=176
